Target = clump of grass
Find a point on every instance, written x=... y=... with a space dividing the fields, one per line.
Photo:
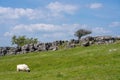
x=60 y=75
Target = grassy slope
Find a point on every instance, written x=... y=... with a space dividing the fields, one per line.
x=80 y=63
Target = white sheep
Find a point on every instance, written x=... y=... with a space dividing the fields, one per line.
x=23 y=67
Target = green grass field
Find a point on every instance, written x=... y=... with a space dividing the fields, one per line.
x=81 y=63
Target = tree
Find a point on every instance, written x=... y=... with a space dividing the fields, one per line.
x=82 y=32
x=22 y=40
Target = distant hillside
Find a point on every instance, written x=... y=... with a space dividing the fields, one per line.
x=96 y=62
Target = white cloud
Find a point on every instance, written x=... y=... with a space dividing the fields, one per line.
x=45 y=31
x=100 y=30
x=54 y=9
x=16 y=13
x=47 y=27
x=115 y=24
x=95 y=5
x=9 y=13
x=8 y=34
x=36 y=27
x=54 y=35
x=57 y=7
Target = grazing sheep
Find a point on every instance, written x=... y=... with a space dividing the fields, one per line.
x=23 y=67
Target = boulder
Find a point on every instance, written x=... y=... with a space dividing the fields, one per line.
x=85 y=44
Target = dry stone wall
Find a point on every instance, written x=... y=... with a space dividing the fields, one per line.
x=87 y=41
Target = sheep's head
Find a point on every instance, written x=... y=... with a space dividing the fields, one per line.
x=28 y=70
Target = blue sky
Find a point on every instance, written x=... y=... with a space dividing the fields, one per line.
x=50 y=20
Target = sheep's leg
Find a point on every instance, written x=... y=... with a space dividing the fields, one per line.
x=18 y=70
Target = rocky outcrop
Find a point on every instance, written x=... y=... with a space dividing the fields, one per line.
x=30 y=48
x=87 y=41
